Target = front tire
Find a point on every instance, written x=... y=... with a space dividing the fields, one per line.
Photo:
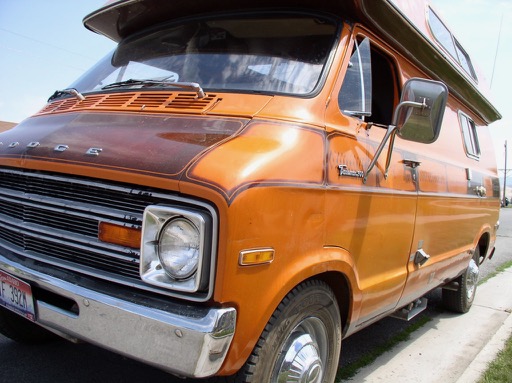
x=461 y=300
x=302 y=340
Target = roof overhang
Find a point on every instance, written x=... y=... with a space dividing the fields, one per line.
x=410 y=40
x=121 y=18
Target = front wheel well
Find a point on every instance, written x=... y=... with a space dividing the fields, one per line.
x=340 y=286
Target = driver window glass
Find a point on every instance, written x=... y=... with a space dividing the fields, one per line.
x=370 y=87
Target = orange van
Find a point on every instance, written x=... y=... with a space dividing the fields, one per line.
x=239 y=186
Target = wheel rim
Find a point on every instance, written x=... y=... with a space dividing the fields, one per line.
x=303 y=356
x=471 y=279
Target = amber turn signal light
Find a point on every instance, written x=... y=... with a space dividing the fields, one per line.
x=119 y=235
x=256 y=257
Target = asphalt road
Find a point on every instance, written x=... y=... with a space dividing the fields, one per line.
x=65 y=362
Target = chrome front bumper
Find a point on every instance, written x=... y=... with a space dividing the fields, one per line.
x=192 y=342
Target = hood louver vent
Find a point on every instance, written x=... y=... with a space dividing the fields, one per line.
x=149 y=102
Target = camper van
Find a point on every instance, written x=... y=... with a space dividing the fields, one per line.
x=239 y=186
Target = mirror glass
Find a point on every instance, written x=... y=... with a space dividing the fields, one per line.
x=420 y=113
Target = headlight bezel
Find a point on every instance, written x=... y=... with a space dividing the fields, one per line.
x=156 y=218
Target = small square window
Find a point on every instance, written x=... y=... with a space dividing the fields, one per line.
x=464 y=60
x=470 y=136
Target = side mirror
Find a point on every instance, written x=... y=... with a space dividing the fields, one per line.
x=418 y=117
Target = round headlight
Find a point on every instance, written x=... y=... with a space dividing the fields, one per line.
x=178 y=248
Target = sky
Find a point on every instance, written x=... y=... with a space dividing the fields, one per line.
x=44 y=47
x=480 y=25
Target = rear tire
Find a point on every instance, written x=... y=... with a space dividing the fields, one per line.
x=301 y=342
x=461 y=300
x=21 y=330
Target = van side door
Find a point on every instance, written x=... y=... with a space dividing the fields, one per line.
x=454 y=205
x=373 y=220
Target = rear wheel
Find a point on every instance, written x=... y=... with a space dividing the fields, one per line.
x=461 y=300
x=302 y=341
x=21 y=330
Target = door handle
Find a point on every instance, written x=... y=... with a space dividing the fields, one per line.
x=411 y=163
x=480 y=191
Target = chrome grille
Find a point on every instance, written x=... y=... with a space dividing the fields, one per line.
x=55 y=219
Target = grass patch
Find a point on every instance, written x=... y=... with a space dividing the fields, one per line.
x=351 y=369
x=498 y=270
x=500 y=370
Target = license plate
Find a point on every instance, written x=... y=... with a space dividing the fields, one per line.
x=16 y=296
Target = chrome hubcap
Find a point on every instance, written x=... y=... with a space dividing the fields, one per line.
x=303 y=355
x=472 y=279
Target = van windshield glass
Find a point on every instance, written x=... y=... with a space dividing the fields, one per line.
x=257 y=54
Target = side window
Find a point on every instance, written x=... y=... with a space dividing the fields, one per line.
x=469 y=135
x=443 y=35
x=370 y=88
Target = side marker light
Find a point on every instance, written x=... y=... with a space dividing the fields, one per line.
x=256 y=257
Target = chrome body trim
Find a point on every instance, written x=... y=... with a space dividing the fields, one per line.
x=189 y=341
x=54 y=219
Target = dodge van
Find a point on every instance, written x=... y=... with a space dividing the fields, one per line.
x=239 y=186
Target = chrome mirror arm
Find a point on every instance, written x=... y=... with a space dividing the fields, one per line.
x=405 y=104
x=390 y=135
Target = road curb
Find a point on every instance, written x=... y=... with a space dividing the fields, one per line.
x=452 y=348
x=481 y=362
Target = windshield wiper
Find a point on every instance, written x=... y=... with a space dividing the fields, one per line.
x=71 y=91
x=134 y=82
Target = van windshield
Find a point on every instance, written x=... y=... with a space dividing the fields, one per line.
x=284 y=54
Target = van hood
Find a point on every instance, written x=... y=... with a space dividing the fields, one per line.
x=146 y=144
